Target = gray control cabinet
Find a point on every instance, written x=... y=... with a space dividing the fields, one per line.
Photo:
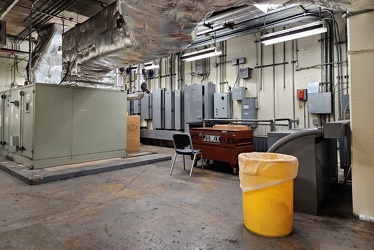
x=169 y=109
x=158 y=108
x=179 y=110
x=238 y=93
x=198 y=103
x=136 y=108
x=130 y=107
x=146 y=108
x=222 y=105
x=249 y=110
x=51 y=125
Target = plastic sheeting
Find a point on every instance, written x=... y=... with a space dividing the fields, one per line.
x=135 y=31
x=261 y=170
x=46 y=64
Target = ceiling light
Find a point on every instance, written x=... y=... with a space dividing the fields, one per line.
x=151 y=65
x=294 y=33
x=201 y=54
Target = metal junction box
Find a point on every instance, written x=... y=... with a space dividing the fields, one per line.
x=169 y=109
x=222 y=105
x=198 y=103
x=146 y=108
x=48 y=125
x=158 y=108
x=238 y=93
x=320 y=103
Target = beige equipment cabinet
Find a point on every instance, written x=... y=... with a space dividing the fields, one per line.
x=46 y=125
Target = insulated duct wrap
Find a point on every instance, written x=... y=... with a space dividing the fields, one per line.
x=135 y=31
x=46 y=63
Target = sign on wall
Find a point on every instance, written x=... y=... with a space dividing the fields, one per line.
x=2 y=34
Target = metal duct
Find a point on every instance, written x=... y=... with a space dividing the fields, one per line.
x=46 y=63
x=135 y=31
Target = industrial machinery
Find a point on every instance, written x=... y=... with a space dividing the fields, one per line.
x=46 y=125
x=317 y=167
x=223 y=143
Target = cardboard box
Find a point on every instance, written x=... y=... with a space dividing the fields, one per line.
x=133 y=133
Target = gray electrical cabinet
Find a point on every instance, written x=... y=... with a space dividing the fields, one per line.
x=130 y=107
x=169 y=109
x=222 y=105
x=200 y=66
x=249 y=110
x=158 y=108
x=136 y=107
x=146 y=109
x=179 y=112
x=50 y=125
x=238 y=93
x=198 y=103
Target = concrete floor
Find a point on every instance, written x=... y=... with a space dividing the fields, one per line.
x=145 y=208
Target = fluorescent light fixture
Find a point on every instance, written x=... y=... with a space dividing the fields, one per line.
x=267 y=7
x=151 y=65
x=200 y=54
x=294 y=33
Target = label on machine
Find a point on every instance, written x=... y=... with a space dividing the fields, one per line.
x=212 y=138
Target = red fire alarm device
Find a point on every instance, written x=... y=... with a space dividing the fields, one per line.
x=302 y=94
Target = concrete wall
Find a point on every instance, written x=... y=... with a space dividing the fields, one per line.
x=361 y=61
x=307 y=51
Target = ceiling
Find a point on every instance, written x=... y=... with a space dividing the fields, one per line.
x=67 y=12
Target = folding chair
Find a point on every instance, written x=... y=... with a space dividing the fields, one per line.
x=183 y=146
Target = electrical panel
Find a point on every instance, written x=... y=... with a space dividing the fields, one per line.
x=249 y=110
x=320 y=103
x=179 y=112
x=302 y=94
x=200 y=66
x=237 y=61
x=245 y=73
x=158 y=109
x=169 y=109
x=198 y=103
x=145 y=107
x=136 y=107
x=222 y=105
x=238 y=93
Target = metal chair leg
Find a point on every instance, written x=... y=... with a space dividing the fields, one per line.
x=202 y=162
x=193 y=163
x=172 y=165
x=184 y=163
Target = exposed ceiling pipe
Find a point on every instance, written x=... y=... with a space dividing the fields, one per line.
x=40 y=19
x=47 y=14
x=10 y=6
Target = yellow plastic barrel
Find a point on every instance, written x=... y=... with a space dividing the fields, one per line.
x=266 y=180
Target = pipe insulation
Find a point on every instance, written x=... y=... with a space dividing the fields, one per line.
x=294 y=136
x=136 y=31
